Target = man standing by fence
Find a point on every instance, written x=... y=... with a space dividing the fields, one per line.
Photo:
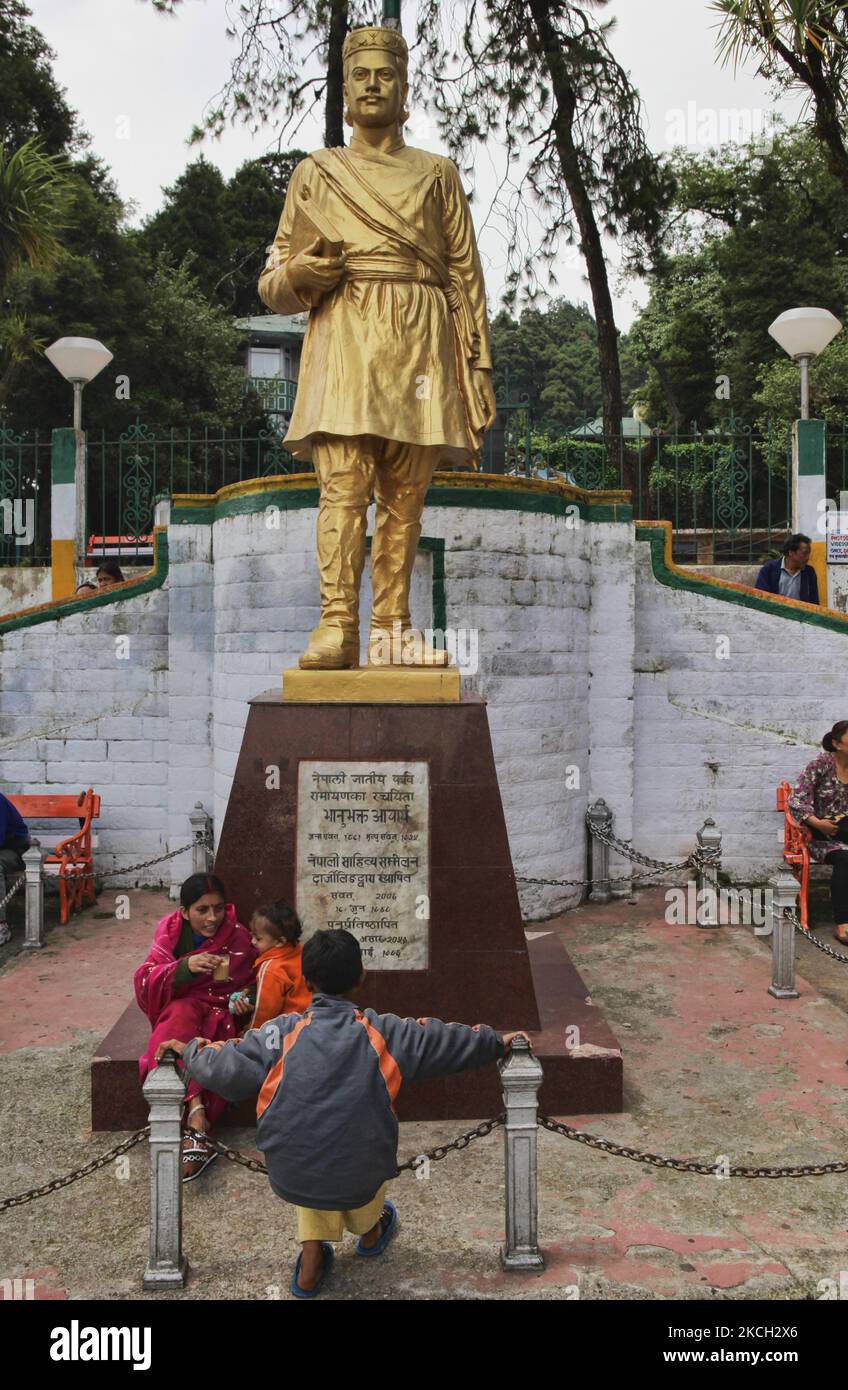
x=792 y=576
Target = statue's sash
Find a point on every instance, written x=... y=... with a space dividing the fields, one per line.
x=363 y=201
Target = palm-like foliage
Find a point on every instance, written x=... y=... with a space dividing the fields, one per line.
x=32 y=209
x=802 y=44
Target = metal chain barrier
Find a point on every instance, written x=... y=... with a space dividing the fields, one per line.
x=18 y=884
x=148 y=863
x=199 y=839
x=442 y=1150
x=593 y=1141
x=696 y=860
x=819 y=945
x=30 y=1195
x=433 y=1156
x=685 y=1165
x=580 y=1136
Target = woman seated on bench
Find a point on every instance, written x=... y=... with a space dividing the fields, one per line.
x=820 y=800
x=200 y=953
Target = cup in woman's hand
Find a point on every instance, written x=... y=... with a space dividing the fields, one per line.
x=222 y=969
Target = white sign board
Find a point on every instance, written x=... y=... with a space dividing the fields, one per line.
x=837 y=547
x=363 y=857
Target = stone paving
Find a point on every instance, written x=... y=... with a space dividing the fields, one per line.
x=713 y=1066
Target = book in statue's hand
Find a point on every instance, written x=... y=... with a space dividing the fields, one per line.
x=311 y=224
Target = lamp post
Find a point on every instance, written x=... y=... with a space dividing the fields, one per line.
x=79 y=360
x=803 y=334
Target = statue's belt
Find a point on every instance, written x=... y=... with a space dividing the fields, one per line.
x=390 y=268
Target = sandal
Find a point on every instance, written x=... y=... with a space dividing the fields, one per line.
x=388 y=1228
x=329 y=1255
x=842 y=927
x=196 y=1150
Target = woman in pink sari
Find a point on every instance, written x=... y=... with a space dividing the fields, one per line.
x=200 y=954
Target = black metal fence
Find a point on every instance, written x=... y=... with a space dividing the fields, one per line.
x=725 y=490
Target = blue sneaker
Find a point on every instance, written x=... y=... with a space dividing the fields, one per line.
x=329 y=1256
x=389 y=1222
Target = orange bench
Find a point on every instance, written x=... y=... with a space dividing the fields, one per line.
x=69 y=859
x=796 y=848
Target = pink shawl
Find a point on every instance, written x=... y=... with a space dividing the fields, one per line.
x=154 y=979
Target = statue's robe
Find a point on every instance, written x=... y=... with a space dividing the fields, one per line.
x=392 y=350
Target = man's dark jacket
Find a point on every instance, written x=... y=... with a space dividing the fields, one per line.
x=768 y=579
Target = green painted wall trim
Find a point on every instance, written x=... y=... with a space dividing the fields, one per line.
x=193 y=516
x=440 y=597
x=609 y=511
x=50 y=612
x=811 y=447
x=63 y=457
x=763 y=603
x=497 y=499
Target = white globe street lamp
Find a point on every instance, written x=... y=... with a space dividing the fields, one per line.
x=79 y=360
x=803 y=334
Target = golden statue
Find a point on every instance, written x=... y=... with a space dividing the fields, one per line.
x=376 y=241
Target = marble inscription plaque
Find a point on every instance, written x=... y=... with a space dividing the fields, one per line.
x=363 y=857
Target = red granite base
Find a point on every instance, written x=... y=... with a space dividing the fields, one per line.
x=585 y=1079
x=481 y=968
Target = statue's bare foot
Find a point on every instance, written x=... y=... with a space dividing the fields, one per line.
x=408 y=648
x=331 y=649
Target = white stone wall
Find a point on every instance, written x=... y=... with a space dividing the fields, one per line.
x=190 y=657
x=611 y=693
x=715 y=736
x=83 y=703
x=522 y=579
x=265 y=604
x=599 y=680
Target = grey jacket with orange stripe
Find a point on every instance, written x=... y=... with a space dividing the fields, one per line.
x=327 y=1080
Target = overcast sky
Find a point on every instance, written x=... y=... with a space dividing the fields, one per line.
x=140 y=81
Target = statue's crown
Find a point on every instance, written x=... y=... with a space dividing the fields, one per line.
x=389 y=40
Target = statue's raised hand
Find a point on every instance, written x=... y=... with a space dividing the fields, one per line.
x=311 y=275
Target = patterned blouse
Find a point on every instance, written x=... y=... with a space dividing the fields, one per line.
x=818 y=792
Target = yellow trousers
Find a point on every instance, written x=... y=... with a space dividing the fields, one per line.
x=313 y=1224
x=350 y=471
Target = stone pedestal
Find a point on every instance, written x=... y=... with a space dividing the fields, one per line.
x=477 y=965
x=465 y=959
x=478 y=969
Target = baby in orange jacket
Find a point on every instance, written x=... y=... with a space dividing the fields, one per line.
x=280 y=988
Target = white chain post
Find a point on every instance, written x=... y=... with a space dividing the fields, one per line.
x=164 y=1091
x=521 y=1077
x=709 y=850
x=784 y=901
x=201 y=825
x=34 y=890
x=599 y=815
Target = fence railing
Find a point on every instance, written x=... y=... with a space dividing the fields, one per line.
x=25 y=475
x=725 y=489
x=126 y=475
